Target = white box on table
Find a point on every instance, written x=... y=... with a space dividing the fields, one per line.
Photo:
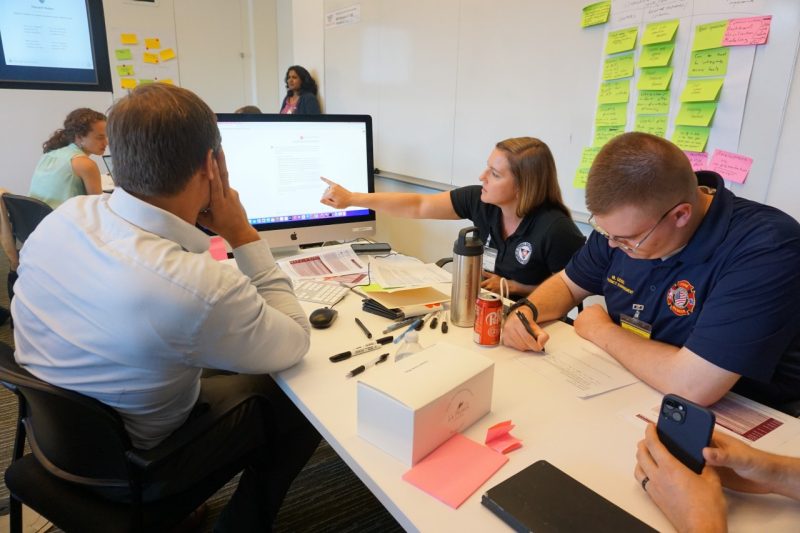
x=416 y=404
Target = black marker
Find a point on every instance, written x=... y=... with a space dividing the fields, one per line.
x=359 y=369
x=364 y=328
x=374 y=345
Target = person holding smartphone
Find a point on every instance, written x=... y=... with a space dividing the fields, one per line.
x=695 y=502
x=527 y=231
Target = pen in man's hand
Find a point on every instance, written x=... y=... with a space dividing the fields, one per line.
x=527 y=324
x=363 y=328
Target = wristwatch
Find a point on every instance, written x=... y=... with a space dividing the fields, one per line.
x=527 y=303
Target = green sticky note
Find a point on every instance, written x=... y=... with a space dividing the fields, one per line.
x=691 y=138
x=581 y=175
x=652 y=102
x=588 y=155
x=618 y=67
x=123 y=54
x=653 y=124
x=595 y=14
x=711 y=62
x=656 y=55
x=603 y=134
x=654 y=79
x=145 y=81
x=709 y=35
x=659 y=32
x=124 y=70
x=696 y=113
x=614 y=92
x=702 y=90
x=611 y=115
x=621 y=40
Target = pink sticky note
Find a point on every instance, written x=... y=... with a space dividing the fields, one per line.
x=732 y=167
x=751 y=30
x=454 y=470
x=699 y=160
x=217 y=249
x=498 y=437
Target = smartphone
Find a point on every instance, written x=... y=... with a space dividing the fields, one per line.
x=685 y=428
x=371 y=247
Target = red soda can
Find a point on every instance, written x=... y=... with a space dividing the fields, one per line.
x=486 y=331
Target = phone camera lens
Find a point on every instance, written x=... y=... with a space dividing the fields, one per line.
x=677 y=416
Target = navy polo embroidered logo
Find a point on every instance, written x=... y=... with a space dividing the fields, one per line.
x=523 y=252
x=681 y=298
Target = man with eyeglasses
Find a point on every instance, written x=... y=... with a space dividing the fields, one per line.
x=702 y=288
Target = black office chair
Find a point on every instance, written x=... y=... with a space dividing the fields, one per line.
x=24 y=214
x=78 y=443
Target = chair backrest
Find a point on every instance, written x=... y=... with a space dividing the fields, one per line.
x=74 y=437
x=25 y=213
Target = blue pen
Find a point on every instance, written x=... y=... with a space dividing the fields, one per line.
x=412 y=326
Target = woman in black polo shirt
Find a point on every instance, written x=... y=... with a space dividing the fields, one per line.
x=526 y=228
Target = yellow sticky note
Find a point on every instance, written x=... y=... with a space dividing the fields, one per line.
x=696 y=113
x=153 y=43
x=655 y=79
x=611 y=115
x=168 y=81
x=709 y=35
x=618 y=67
x=652 y=124
x=125 y=70
x=581 y=176
x=603 y=134
x=711 y=62
x=691 y=138
x=656 y=55
x=621 y=40
x=150 y=58
x=166 y=54
x=652 y=102
x=588 y=155
x=614 y=92
x=128 y=83
x=702 y=90
x=660 y=32
x=595 y=14
x=129 y=38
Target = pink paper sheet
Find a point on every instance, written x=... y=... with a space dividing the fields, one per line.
x=732 y=167
x=745 y=31
x=217 y=249
x=698 y=160
x=454 y=470
x=499 y=439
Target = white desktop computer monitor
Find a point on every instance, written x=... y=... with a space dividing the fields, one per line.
x=275 y=163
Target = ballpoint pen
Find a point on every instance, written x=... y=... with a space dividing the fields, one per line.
x=527 y=324
x=413 y=325
x=368 y=347
x=363 y=328
x=359 y=369
x=398 y=325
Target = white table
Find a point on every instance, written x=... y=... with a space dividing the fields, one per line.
x=589 y=439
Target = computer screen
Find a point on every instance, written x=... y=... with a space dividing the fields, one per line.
x=275 y=163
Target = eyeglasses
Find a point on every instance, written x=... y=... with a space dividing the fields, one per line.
x=624 y=243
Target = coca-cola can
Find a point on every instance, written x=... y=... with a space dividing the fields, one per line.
x=488 y=309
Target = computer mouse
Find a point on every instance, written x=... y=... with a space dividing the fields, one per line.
x=323 y=317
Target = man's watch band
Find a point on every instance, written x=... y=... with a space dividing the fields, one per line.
x=527 y=303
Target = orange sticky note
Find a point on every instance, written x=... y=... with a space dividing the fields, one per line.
x=456 y=469
x=129 y=38
x=166 y=54
x=150 y=58
x=152 y=43
x=499 y=439
x=128 y=83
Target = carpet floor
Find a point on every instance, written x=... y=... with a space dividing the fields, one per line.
x=326 y=495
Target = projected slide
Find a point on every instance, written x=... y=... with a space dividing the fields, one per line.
x=46 y=33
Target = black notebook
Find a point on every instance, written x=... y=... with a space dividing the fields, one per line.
x=543 y=498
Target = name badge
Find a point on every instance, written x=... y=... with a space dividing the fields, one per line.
x=640 y=327
x=489 y=258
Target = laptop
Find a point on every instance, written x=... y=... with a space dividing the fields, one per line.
x=107 y=178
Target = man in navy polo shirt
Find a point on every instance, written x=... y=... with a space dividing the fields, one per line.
x=702 y=288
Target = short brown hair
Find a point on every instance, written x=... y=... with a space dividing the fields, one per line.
x=532 y=164
x=639 y=169
x=160 y=136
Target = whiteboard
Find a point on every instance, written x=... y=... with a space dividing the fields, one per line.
x=445 y=80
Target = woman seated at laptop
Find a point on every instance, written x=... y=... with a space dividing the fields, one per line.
x=527 y=231
x=65 y=170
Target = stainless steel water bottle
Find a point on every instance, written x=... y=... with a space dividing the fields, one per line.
x=467 y=266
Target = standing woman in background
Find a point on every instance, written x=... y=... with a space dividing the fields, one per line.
x=65 y=170
x=301 y=93
x=527 y=231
